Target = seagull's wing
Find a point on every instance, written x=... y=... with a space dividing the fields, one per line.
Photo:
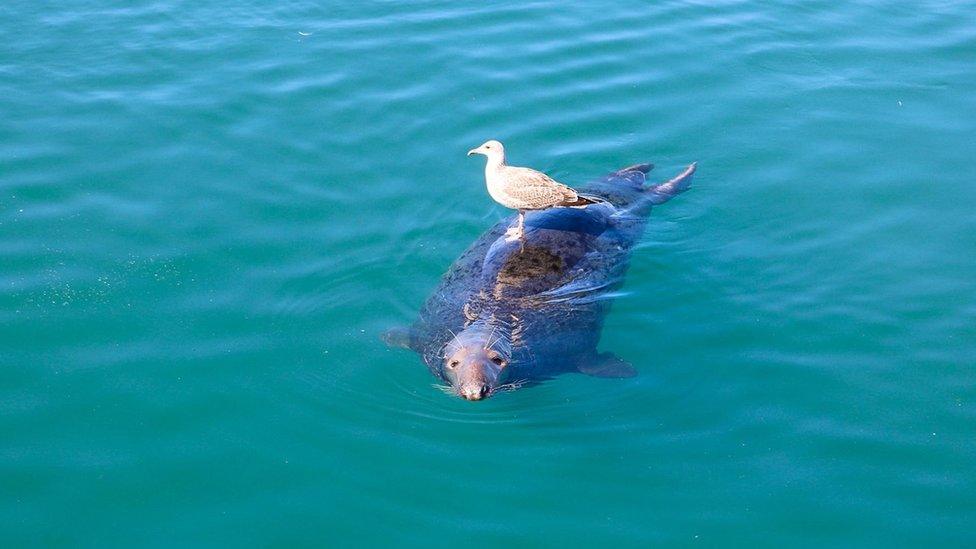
x=535 y=189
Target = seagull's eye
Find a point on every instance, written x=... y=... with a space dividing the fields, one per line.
x=487 y=146
x=498 y=360
x=453 y=364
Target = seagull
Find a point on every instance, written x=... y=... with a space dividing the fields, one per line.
x=523 y=189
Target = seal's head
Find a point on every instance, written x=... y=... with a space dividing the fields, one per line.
x=476 y=363
x=494 y=150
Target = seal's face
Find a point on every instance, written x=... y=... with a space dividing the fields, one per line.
x=475 y=366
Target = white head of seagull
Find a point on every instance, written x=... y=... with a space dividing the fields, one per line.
x=494 y=150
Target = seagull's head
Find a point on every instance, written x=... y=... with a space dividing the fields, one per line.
x=494 y=150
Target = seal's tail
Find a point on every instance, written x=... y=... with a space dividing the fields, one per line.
x=659 y=194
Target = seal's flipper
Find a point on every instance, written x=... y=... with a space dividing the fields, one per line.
x=643 y=168
x=399 y=336
x=607 y=365
x=660 y=194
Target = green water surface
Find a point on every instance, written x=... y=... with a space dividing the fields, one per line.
x=210 y=210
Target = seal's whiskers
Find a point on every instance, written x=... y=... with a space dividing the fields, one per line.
x=511 y=386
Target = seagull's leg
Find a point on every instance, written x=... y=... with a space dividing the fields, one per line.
x=515 y=233
x=521 y=231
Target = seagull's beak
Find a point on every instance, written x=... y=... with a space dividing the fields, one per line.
x=472 y=151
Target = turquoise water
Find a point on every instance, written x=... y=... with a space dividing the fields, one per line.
x=208 y=213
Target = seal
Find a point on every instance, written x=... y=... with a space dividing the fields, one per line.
x=508 y=314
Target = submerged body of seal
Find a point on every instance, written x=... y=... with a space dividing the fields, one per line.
x=506 y=314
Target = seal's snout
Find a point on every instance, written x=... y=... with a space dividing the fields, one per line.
x=475 y=392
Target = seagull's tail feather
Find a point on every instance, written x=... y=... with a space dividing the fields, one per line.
x=580 y=201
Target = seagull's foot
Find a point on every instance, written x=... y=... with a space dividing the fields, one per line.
x=513 y=234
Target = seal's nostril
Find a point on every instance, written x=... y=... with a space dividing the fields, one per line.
x=474 y=393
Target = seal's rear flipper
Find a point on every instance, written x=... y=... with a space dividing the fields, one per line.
x=607 y=365
x=643 y=168
x=666 y=191
x=399 y=336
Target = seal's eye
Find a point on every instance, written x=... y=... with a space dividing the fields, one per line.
x=453 y=364
x=498 y=360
